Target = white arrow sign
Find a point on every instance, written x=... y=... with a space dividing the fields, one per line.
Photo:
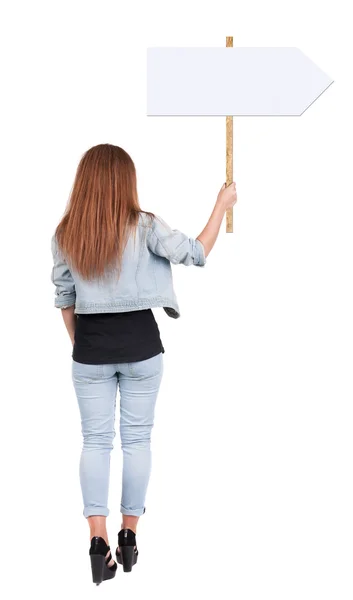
x=232 y=81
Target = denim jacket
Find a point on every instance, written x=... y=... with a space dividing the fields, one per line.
x=145 y=279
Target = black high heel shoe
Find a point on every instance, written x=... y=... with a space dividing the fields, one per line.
x=99 y=561
x=126 y=553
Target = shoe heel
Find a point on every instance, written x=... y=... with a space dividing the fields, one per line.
x=97 y=566
x=127 y=558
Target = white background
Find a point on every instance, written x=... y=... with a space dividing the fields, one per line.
x=251 y=491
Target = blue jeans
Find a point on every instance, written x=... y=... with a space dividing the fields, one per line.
x=96 y=390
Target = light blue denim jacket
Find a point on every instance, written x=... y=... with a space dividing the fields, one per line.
x=145 y=280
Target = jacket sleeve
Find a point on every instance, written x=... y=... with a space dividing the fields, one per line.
x=65 y=294
x=174 y=245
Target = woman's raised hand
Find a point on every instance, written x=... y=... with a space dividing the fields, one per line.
x=227 y=196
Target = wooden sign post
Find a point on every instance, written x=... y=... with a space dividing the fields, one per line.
x=229 y=155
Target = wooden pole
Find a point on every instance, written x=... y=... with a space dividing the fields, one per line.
x=229 y=155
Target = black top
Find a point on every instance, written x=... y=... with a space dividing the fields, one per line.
x=109 y=338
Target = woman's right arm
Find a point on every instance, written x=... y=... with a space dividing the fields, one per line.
x=226 y=198
x=177 y=247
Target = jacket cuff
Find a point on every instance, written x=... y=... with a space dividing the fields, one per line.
x=65 y=301
x=199 y=259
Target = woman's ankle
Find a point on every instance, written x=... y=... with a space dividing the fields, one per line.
x=98 y=527
x=129 y=522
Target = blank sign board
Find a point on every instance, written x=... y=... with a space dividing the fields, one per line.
x=232 y=81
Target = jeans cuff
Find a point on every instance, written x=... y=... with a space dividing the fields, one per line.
x=138 y=512
x=91 y=511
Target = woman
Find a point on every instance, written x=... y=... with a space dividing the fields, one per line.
x=112 y=265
